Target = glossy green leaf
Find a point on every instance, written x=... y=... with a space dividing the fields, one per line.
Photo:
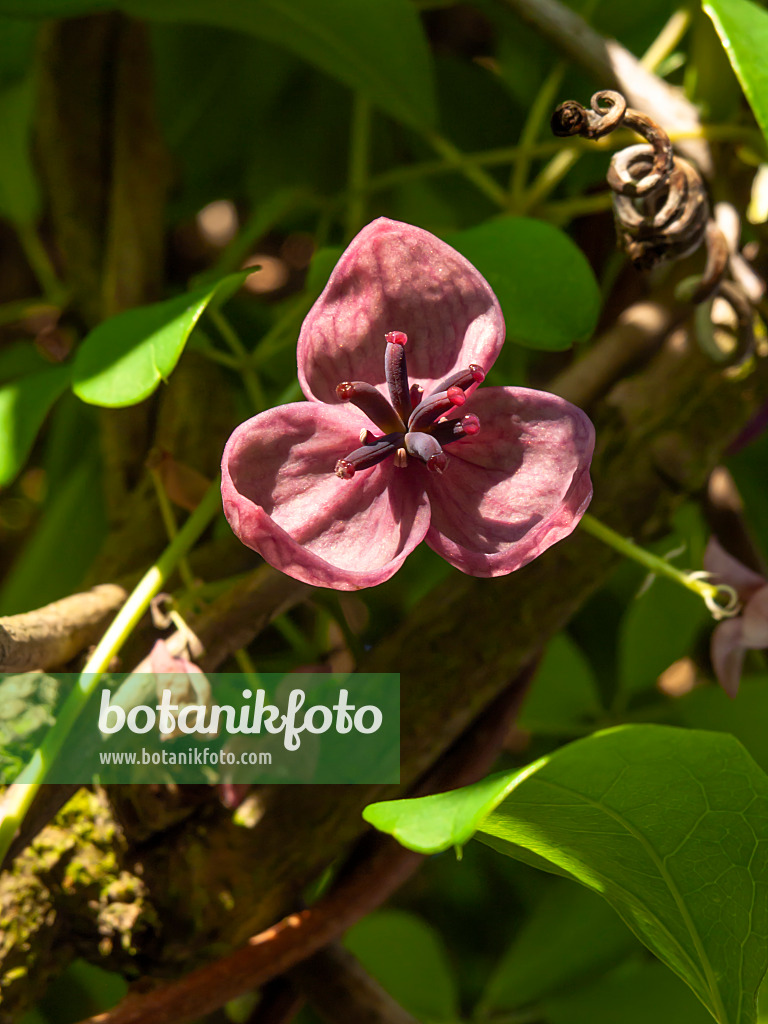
x=377 y=47
x=743 y=30
x=406 y=956
x=571 y=936
x=123 y=360
x=548 y=293
x=24 y=404
x=431 y=824
x=669 y=825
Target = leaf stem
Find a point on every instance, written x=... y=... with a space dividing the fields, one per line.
x=469 y=168
x=538 y=113
x=40 y=262
x=357 y=175
x=21 y=793
x=231 y=339
x=712 y=594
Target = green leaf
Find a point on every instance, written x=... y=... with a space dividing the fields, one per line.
x=743 y=30
x=668 y=825
x=548 y=293
x=19 y=195
x=571 y=936
x=659 y=627
x=407 y=957
x=24 y=404
x=377 y=47
x=635 y=993
x=123 y=360
x=431 y=824
x=564 y=690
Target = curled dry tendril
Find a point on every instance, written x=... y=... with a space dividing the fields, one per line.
x=660 y=204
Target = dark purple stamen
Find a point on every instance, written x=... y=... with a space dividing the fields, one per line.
x=370 y=400
x=412 y=423
x=396 y=374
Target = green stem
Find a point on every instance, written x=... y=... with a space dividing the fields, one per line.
x=357 y=177
x=537 y=115
x=469 y=168
x=667 y=41
x=171 y=530
x=39 y=261
x=238 y=349
x=20 y=795
x=708 y=592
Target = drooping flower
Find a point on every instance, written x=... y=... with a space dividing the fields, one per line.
x=393 y=445
x=732 y=638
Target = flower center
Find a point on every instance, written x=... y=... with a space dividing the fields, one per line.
x=413 y=424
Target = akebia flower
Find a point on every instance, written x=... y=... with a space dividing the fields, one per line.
x=397 y=443
x=732 y=638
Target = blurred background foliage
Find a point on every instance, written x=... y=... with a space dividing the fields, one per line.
x=150 y=148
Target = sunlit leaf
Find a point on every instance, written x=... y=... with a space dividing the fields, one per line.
x=743 y=30
x=548 y=293
x=669 y=825
x=124 y=358
x=24 y=404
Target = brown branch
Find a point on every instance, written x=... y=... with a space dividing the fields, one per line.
x=53 y=635
x=341 y=990
x=379 y=868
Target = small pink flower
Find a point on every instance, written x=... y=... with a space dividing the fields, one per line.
x=337 y=491
x=732 y=638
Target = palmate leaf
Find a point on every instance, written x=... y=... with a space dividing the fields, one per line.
x=377 y=47
x=670 y=826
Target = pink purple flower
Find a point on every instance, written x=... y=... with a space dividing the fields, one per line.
x=396 y=444
x=732 y=638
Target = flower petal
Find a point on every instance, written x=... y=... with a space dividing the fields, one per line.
x=727 y=653
x=282 y=498
x=517 y=487
x=397 y=277
x=755 y=620
x=730 y=570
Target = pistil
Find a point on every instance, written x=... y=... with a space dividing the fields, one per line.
x=413 y=423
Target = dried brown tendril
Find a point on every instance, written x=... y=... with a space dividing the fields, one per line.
x=660 y=204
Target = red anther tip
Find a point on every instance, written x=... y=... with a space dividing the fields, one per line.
x=456 y=396
x=437 y=463
x=344 y=470
x=396 y=338
x=478 y=373
x=345 y=390
x=470 y=424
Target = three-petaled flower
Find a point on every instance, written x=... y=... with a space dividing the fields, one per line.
x=337 y=491
x=732 y=638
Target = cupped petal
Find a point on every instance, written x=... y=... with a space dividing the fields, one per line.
x=755 y=620
x=397 y=277
x=282 y=498
x=730 y=570
x=515 y=488
x=727 y=653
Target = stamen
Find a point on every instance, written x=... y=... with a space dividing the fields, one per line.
x=453 y=430
x=474 y=374
x=427 y=448
x=435 y=406
x=396 y=374
x=369 y=455
x=401 y=458
x=370 y=401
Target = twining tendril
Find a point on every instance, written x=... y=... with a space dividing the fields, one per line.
x=660 y=204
